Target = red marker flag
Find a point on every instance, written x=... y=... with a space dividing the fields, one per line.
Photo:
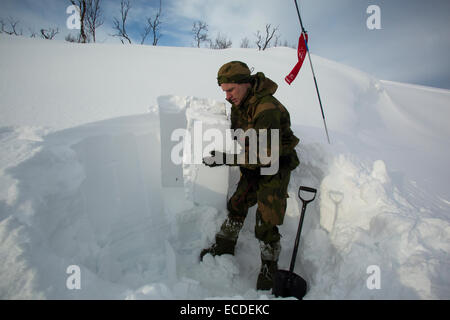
x=301 y=54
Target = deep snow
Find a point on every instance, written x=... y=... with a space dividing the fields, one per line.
x=83 y=135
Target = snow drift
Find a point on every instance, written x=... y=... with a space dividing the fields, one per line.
x=82 y=178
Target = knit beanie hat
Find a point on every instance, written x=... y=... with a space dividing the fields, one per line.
x=234 y=72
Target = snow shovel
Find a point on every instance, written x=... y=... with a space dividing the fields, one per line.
x=287 y=283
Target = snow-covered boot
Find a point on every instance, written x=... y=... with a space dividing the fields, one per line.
x=269 y=265
x=226 y=239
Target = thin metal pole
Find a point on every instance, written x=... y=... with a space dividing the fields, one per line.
x=312 y=69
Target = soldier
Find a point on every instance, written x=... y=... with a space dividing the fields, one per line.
x=254 y=107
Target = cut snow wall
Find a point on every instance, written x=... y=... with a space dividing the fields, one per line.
x=93 y=199
x=172 y=115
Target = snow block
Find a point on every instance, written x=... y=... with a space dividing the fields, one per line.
x=190 y=129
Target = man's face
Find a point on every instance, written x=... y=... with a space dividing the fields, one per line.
x=235 y=92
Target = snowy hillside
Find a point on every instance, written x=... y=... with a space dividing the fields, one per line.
x=83 y=138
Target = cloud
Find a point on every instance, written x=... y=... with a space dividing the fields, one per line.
x=34 y=14
x=234 y=18
x=412 y=45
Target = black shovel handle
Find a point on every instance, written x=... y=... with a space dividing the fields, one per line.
x=302 y=216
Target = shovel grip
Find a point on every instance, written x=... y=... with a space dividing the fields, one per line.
x=307 y=189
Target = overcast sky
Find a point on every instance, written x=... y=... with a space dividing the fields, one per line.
x=412 y=45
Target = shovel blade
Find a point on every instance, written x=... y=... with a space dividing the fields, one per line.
x=288 y=284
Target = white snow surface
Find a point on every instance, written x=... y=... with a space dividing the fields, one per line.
x=82 y=143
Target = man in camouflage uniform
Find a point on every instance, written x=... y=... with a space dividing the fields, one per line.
x=254 y=107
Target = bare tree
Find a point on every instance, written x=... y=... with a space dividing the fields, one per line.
x=14 y=24
x=82 y=6
x=93 y=17
x=71 y=38
x=154 y=26
x=49 y=34
x=33 y=33
x=120 y=25
x=146 y=32
x=221 y=42
x=245 y=43
x=263 y=42
x=277 y=40
x=259 y=39
x=200 y=31
x=13 y=27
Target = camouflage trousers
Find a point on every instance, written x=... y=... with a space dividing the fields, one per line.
x=269 y=192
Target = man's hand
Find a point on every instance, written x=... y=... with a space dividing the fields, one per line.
x=215 y=156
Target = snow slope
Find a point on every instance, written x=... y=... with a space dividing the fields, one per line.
x=81 y=178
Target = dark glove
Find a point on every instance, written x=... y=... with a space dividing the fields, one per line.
x=211 y=161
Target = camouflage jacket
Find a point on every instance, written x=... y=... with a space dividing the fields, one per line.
x=260 y=110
